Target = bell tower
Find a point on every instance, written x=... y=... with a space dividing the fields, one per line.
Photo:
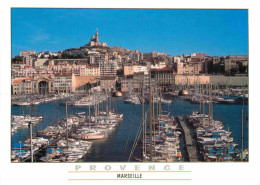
x=97 y=39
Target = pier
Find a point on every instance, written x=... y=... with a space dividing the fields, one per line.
x=191 y=150
x=52 y=144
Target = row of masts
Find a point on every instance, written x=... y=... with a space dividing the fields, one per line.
x=29 y=110
x=96 y=111
x=200 y=90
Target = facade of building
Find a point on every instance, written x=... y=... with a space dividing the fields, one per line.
x=128 y=69
x=216 y=65
x=135 y=83
x=27 y=53
x=159 y=65
x=90 y=70
x=64 y=83
x=22 y=86
x=139 y=68
x=163 y=78
x=84 y=83
x=108 y=68
x=233 y=63
x=200 y=56
x=40 y=84
x=126 y=82
x=108 y=83
x=212 y=79
x=191 y=79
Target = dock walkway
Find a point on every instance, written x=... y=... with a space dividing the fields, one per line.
x=54 y=142
x=192 y=155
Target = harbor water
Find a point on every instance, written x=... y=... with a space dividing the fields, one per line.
x=118 y=145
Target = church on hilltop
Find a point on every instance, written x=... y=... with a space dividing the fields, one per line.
x=94 y=41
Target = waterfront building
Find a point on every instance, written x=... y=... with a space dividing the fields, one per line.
x=135 y=82
x=140 y=79
x=191 y=79
x=38 y=84
x=235 y=64
x=22 y=86
x=108 y=83
x=64 y=82
x=188 y=68
x=208 y=66
x=211 y=79
x=216 y=65
x=125 y=83
x=84 y=83
x=164 y=78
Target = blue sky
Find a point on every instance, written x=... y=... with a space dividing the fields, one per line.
x=173 y=31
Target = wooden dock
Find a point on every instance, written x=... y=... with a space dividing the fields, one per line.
x=191 y=149
x=50 y=145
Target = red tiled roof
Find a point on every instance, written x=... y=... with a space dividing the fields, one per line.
x=20 y=80
x=163 y=69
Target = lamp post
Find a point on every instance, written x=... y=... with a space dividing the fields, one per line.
x=30 y=125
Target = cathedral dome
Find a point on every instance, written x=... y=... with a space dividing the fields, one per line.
x=183 y=93
x=117 y=94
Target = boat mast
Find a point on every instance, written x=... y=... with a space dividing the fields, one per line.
x=211 y=100
x=58 y=116
x=228 y=144
x=95 y=108
x=160 y=106
x=242 y=137
x=199 y=95
x=30 y=125
x=89 y=113
x=150 y=118
x=153 y=124
x=67 y=126
x=143 y=121
x=23 y=110
x=203 y=106
x=159 y=117
x=107 y=103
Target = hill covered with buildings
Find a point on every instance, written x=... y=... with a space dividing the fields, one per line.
x=96 y=63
